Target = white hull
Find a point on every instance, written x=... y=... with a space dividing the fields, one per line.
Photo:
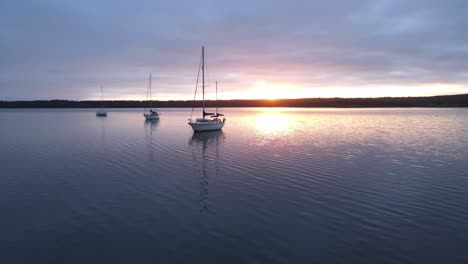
x=151 y=117
x=207 y=125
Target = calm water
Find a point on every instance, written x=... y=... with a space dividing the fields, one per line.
x=275 y=186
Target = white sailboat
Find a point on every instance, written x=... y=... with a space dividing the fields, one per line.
x=101 y=111
x=151 y=115
x=202 y=123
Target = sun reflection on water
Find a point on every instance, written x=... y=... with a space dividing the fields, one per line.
x=272 y=123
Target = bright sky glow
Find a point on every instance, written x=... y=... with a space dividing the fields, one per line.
x=255 y=49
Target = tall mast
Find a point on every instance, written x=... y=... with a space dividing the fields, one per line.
x=102 y=98
x=216 y=97
x=203 y=78
x=150 y=90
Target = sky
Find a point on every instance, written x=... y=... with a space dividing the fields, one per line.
x=61 y=49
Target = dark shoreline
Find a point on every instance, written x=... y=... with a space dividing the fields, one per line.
x=460 y=100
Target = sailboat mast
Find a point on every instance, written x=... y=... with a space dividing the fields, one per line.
x=216 y=97
x=203 y=78
x=102 y=98
x=150 y=90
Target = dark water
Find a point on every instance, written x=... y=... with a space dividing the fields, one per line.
x=276 y=186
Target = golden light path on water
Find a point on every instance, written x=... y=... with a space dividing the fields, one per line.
x=272 y=123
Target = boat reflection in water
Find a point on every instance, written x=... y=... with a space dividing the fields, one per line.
x=103 y=148
x=151 y=125
x=205 y=151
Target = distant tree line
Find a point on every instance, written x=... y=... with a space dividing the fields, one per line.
x=432 y=101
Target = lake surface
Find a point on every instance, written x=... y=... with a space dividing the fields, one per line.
x=275 y=186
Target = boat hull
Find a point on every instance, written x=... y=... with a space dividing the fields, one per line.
x=101 y=113
x=151 y=117
x=207 y=126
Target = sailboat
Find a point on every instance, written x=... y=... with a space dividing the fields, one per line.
x=202 y=123
x=101 y=112
x=152 y=115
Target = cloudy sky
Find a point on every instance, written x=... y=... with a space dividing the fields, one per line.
x=60 y=49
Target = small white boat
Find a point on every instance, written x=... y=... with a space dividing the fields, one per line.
x=101 y=112
x=213 y=122
x=151 y=115
x=204 y=124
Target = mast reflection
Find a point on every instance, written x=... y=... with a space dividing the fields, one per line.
x=103 y=130
x=150 y=127
x=205 y=151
